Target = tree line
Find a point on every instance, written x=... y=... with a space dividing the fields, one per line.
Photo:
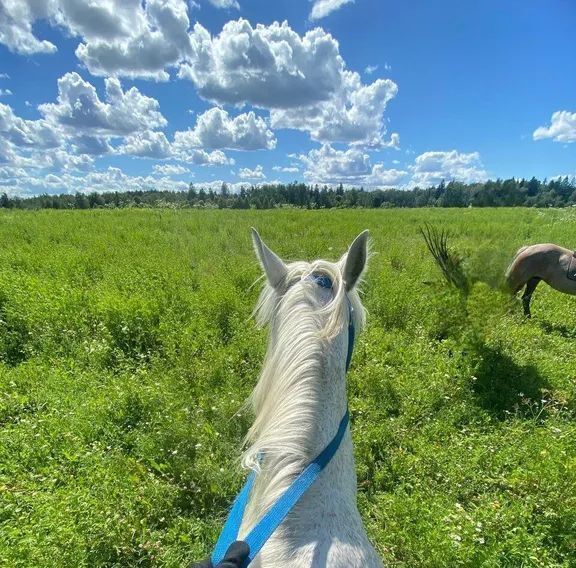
x=560 y=192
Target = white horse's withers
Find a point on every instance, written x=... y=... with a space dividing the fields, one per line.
x=299 y=402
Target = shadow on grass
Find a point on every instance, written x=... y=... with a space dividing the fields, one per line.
x=558 y=329
x=502 y=387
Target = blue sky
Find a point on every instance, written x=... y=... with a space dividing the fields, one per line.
x=124 y=94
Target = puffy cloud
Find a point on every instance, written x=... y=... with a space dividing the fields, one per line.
x=215 y=129
x=322 y=8
x=369 y=69
x=8 y=173
x=184 y=149
x=382 y=177
x=112 y=179
x=225 y=4
x=119 y=37
x=256 y=173
x=92 y=145
x=288 y=169
x=5 y=92
x=34 y=134
x=18 y=181
x=147 y=144
x=79 y=108
x=302 y=79
x=155 y=145
x=203 y=158
x=158 y=38
x=7 y=153
x=394 y=141
x=4 y=76
x=562 y=128
x=352 y=166
x=355 y=114
x=431 y=168
x=63 y=160
x=104 y=19
x=170 y=170
x=267 y=66
x=81 y=126
x=329 y=165
x=16 y=20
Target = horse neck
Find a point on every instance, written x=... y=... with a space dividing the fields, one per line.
x=299 y=401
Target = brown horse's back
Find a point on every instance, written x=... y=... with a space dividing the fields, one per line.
x=544 y=261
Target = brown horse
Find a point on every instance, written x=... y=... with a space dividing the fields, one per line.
x=553 y=264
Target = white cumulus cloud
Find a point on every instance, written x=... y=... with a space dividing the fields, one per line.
x=81 y=126
x=148 y=144
x=202 y=157
x=321 y=8
x=267 y=66
x=16 y=20
x=354 y=114
x=562 y=128
x=225 y=4
x=352 y=167
x=157 y=38
x=256 y=173
x=286 y=169
x=79 y=109
x=111 y=179
x=430 y=168
x=301 y=79
x=63 y=160
x=214 y=129
x=91 y=145
x=118 y=37
x=32 y=134
x=170 y=170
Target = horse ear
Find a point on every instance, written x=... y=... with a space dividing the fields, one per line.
x=272 y=264
x=355 y=260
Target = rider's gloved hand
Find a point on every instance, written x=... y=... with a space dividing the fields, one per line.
x=235 y=557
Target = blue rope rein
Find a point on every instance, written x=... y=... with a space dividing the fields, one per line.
x=266 y=526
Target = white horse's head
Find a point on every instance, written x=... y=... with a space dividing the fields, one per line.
x=309 y=308
x=305 y=284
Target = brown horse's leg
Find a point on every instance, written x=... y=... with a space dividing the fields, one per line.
x=527 y=296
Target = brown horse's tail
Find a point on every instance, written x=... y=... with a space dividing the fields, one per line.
x=515 y=277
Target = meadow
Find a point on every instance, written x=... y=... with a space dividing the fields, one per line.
x=127 y=350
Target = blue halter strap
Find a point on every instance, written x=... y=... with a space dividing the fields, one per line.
x=266 y=526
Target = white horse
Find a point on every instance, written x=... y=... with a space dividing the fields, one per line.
x=299 y=402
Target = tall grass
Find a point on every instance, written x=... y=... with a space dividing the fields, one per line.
x=126 y=351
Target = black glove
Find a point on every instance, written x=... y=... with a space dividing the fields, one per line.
x=235 y=557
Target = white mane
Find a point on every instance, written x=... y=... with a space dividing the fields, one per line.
x=304 y=319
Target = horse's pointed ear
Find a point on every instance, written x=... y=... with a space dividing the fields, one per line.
x=355 y=260
x=272 y=264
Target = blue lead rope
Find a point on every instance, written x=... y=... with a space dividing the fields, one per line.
x=266 y=526
x=264 y=529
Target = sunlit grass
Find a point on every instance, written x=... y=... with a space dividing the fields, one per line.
x=126 y=350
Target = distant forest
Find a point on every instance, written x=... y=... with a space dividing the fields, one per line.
x=559 y=192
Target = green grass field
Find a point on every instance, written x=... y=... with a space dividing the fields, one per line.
x=126 y=348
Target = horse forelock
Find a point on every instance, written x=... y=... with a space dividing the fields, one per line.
x=272 y=302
